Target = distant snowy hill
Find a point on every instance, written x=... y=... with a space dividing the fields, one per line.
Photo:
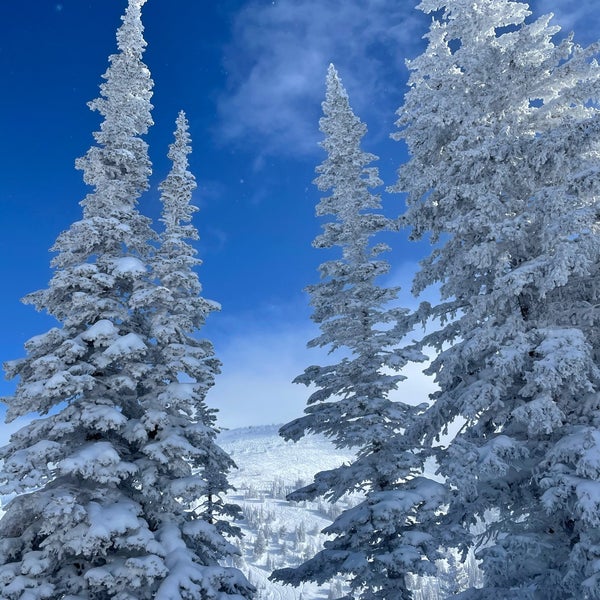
x=260 y=453
x=279 y=533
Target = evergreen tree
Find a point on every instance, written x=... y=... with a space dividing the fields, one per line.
x=502 y=125
x=260 y=544
x=351 y=404
x=178 y=311
x=102 y=479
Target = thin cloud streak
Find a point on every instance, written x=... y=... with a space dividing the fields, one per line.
x=279 y=56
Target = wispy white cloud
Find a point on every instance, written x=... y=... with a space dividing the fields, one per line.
x=580 y=16
x=278 y=59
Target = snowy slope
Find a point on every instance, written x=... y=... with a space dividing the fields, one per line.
x=278 y=533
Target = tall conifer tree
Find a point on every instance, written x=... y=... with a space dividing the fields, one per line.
x=101 y=496
x=378 y=542
x=182 y=312
x=502 y=125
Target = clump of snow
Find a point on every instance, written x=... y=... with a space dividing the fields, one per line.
x=126 y=344
x=99 y=332
x=99 y=462
x=128 y=266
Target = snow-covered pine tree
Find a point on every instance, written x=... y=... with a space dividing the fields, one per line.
x=87 y=520
x=192 y=469
x=378 y=542
x=502 y=125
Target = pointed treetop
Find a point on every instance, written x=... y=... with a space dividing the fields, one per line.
x=118 y=167
x=181 y=146
x=332 y=72
x=343 y=134
x=336 y=97
x=129 y=35
x=179 y=185
x=335 y=88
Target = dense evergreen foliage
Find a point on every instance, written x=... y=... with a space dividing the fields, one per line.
x=502 y=124
x=107 y=481
x=116 y=487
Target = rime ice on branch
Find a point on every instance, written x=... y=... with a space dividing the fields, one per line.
x=502 y=125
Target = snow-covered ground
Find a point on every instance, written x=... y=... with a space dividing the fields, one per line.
x=279 y=533
x=260 y=453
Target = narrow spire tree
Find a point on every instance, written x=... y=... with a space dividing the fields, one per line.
x=86 y=521
x=502 y=125
x=351 y=404
x=185 y=470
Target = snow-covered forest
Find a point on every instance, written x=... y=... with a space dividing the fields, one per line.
x=121 y=483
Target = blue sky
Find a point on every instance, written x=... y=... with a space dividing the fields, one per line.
x=250 y=75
